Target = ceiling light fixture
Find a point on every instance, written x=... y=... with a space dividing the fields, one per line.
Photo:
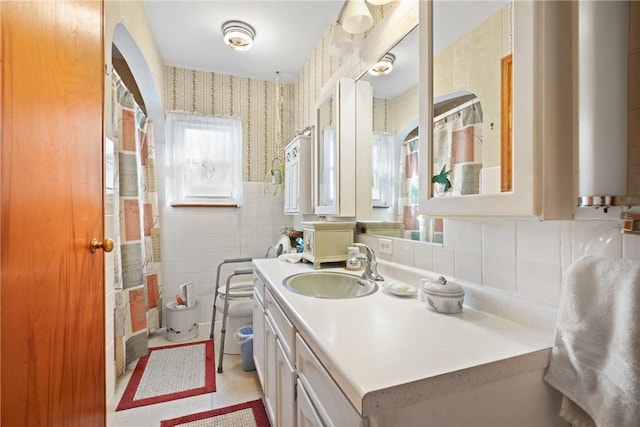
x=383 y=66
x=238 y=35
x=357 y=17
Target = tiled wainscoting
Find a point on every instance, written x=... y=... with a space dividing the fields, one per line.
x=196 y=239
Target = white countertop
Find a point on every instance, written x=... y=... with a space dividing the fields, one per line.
x=386 y=351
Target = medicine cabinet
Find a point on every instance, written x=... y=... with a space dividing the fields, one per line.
x=537 y=87
x=342 y=183
x=297 y=176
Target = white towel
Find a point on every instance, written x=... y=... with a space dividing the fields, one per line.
x=595 y=360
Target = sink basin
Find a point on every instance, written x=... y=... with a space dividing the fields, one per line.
x=331 y=285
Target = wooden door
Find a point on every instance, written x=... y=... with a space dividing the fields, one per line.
x=52 y=317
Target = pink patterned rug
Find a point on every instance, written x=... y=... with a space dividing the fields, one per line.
x=169 y=373
x=248 y=414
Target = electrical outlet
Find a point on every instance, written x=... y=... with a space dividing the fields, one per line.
x=385 y=246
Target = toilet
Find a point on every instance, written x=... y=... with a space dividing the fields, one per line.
x=240 y=314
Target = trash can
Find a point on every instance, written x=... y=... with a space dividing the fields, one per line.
x=181 y=322
x=244 y=337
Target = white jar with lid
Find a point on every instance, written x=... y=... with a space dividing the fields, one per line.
x=442 y=296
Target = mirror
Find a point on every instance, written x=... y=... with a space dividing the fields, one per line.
x=335 y=148
x=472 y=51
x=395 y=114
x=327 y=157
x=395 y=146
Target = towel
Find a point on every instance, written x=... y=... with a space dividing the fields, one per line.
x=595 y=359
x=293 y=258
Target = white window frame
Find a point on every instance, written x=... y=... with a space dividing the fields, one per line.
x=205 y=156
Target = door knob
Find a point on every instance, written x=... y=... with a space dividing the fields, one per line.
x=106 y=245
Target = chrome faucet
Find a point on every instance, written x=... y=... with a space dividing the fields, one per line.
x=370 y=265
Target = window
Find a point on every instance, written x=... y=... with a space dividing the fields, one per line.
x=205 y=159
x=382 y=183
x=327 y=165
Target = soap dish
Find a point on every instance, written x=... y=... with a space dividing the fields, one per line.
x=400 y=289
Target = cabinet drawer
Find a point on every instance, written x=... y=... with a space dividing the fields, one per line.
x=284 y=328
x=328 y=400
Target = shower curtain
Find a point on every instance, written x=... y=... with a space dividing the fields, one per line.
x=457 y=151
x=136 y=227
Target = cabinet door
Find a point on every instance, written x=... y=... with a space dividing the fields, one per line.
x=306 y=414
x=294 y=195
x=288 y=180
x=258 y=339
x=270 y=377
x=335 y=150
x=542 y=147
x=286 y=387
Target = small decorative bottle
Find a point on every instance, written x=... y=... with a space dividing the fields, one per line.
x=353 y=263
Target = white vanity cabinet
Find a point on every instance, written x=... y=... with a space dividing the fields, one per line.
x=281 y=374
x=273 y=355
x=297 y=176
x=328 y=403
x=304 y=396
x=258 y=327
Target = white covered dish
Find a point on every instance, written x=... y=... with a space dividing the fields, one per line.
x=443 y=296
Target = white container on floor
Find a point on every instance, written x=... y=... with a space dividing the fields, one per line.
x=181 y=323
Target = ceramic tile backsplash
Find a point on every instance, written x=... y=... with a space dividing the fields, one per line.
x=500 y=272
x=403 y=250
x=522 y=257
x=196 y=239
x=423 y=256
x=499 y=254
x=465 y=237
x=600 y=238
x=540 y=281
x=539 y=241
x=444 y=261
x=468 y=266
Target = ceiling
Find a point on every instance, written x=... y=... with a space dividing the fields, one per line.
x=189 y=34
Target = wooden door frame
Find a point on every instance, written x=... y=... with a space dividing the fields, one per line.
x=506 y=123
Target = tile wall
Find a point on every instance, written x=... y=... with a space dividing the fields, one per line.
x=522 y=257
x=196 y=239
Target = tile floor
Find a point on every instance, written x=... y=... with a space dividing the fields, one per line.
x=233 y=385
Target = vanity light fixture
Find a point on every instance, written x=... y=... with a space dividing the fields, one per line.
x=602 y=88
x=238 y=35
x=379 y=2
x=340 y=42
x=383 y=66
x=357 y=17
